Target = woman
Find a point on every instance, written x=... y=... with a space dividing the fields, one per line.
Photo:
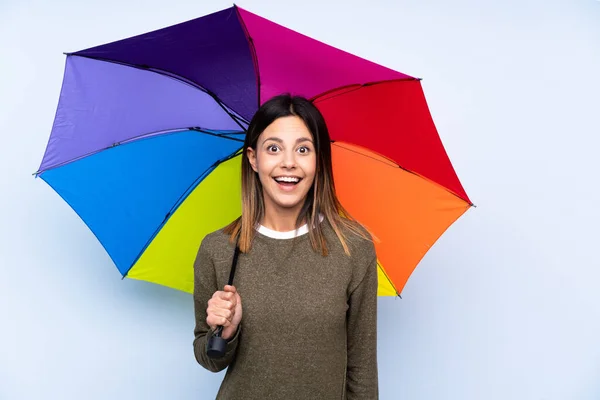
x=301 y=319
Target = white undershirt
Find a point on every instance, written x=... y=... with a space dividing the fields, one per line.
x=287 y=234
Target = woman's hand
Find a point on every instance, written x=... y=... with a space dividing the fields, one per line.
x=225 y=309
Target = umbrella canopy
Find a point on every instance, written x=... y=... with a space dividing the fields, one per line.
x=145 y=146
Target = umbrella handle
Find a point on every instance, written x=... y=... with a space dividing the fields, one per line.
x=216 y=346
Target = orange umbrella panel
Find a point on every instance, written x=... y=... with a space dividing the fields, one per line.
x=406 y=212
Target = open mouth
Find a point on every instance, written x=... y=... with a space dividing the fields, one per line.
x=287 y=180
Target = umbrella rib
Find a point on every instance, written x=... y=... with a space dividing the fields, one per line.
x=390 y=162
x=220 y=135
x=180 y=201
x=144 y=136
x=394 y=164
x=355 y=86
x=176 y=77
x=252 y=51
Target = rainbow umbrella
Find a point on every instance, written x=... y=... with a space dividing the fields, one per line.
x=145 y=146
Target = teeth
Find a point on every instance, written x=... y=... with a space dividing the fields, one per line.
x=287 y=179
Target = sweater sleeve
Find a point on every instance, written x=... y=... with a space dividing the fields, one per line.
x=362 y=374
x=205 y=285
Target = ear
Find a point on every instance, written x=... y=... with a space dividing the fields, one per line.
x=251 y=154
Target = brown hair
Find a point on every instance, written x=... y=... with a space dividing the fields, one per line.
x=321 y=198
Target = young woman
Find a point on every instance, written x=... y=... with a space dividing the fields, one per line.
x=301 y=319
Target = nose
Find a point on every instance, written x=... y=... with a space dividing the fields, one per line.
x=289 y=159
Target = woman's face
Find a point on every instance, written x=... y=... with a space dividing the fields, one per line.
x=285 y=161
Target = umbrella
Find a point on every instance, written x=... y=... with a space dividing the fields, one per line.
x=145 y=145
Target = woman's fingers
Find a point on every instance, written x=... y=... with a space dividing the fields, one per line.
x=223 y=313
x=219 y=317
x=223 y=303
x=230 y=289
x=213 y=321
x=221 y=307
x=229 y=299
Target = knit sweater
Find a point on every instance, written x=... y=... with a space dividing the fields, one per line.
x=309 y=325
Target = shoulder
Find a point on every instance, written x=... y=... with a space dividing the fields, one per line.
x=362 y=259
x=358 y=239
x=216 y=244
x=215 y=237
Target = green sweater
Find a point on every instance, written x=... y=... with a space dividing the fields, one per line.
x=309 y=325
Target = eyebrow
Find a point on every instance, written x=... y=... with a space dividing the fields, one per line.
x=278 y=140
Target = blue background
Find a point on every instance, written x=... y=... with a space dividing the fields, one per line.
x=506 y=305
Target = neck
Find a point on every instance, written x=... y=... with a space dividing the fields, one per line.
x=281 y=220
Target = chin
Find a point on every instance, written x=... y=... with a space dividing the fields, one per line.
x=289 y=204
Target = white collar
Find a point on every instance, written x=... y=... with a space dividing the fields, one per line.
x=285 y=235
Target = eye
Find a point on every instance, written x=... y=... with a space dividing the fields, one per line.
x=303 y=150
x=272 y=148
